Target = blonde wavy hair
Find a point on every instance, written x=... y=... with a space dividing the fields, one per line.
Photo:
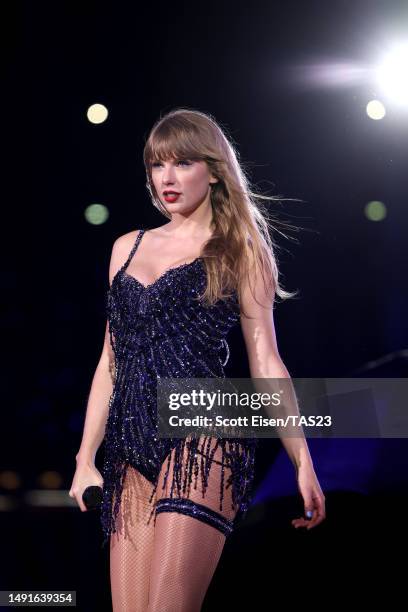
x=241 y=241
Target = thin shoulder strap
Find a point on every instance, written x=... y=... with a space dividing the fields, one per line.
x=134 y=248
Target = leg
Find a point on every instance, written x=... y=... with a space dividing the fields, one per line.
x=131 y=546
x=187 y=548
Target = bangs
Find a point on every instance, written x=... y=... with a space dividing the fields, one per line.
x=167 y=143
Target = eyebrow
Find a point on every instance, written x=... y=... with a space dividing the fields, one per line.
x=180 y=157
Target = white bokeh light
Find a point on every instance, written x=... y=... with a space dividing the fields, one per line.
x=375 y=110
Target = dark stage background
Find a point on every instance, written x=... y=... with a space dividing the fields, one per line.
x=248 y=65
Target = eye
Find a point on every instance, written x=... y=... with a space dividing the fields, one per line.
x=180 y=161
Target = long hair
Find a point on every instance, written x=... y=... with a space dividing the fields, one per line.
x=241 y=240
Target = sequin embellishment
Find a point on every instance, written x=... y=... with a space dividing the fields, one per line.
x=162 y=330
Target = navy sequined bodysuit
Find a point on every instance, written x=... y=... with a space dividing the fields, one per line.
x=162 y=330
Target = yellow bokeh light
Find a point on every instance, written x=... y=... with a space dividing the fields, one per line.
x=10 y=480
x=50 y=479
x=97 y=113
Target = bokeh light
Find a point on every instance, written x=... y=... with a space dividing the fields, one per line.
x=97 y=113
x=96 y=214
x=9 y=479
x=50 y=479
x=375 y=210
x=375 y=110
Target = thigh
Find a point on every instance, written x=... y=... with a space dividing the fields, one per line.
x=131 y=546
x=202 y=480
x=186 y=554
x=134 y=503
x=190 y=531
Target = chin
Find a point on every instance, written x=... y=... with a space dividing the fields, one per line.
x=175 y=207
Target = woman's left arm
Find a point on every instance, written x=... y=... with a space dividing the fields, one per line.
x=265 y=362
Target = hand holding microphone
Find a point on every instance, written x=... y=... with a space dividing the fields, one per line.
x=92 y=497
x=89 y=481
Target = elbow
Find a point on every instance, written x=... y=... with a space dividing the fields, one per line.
x=267 y=365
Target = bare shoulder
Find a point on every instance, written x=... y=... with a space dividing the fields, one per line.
x=120 y=251
x=123 y=242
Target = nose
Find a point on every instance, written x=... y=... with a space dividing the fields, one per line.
x=168 y=174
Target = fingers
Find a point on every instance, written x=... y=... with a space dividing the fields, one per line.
x=300 y=522
x=84 y=476
x=78 y=497
x=318 y=515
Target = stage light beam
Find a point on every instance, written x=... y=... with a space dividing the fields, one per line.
x=392 y=74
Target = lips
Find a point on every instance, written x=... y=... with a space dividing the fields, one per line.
x=171 y=196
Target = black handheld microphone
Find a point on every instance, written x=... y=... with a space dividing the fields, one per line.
x=92 y=497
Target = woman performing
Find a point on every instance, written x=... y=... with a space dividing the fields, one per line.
x=175 y=292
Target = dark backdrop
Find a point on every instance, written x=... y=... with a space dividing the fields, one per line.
x=243 y=63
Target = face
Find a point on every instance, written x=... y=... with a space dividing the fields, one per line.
x=190 y=178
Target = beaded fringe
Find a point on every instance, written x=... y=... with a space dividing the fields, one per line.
x=235 y=457
x=194 y=456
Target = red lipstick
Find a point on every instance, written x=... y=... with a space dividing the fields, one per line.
x=170 y=196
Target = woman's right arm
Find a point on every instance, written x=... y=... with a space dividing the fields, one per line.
x=86 y=473
x=98 y=405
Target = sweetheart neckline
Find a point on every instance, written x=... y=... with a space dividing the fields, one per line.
x=165 y=273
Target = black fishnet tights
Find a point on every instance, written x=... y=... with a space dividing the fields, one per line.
x=167 y=566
